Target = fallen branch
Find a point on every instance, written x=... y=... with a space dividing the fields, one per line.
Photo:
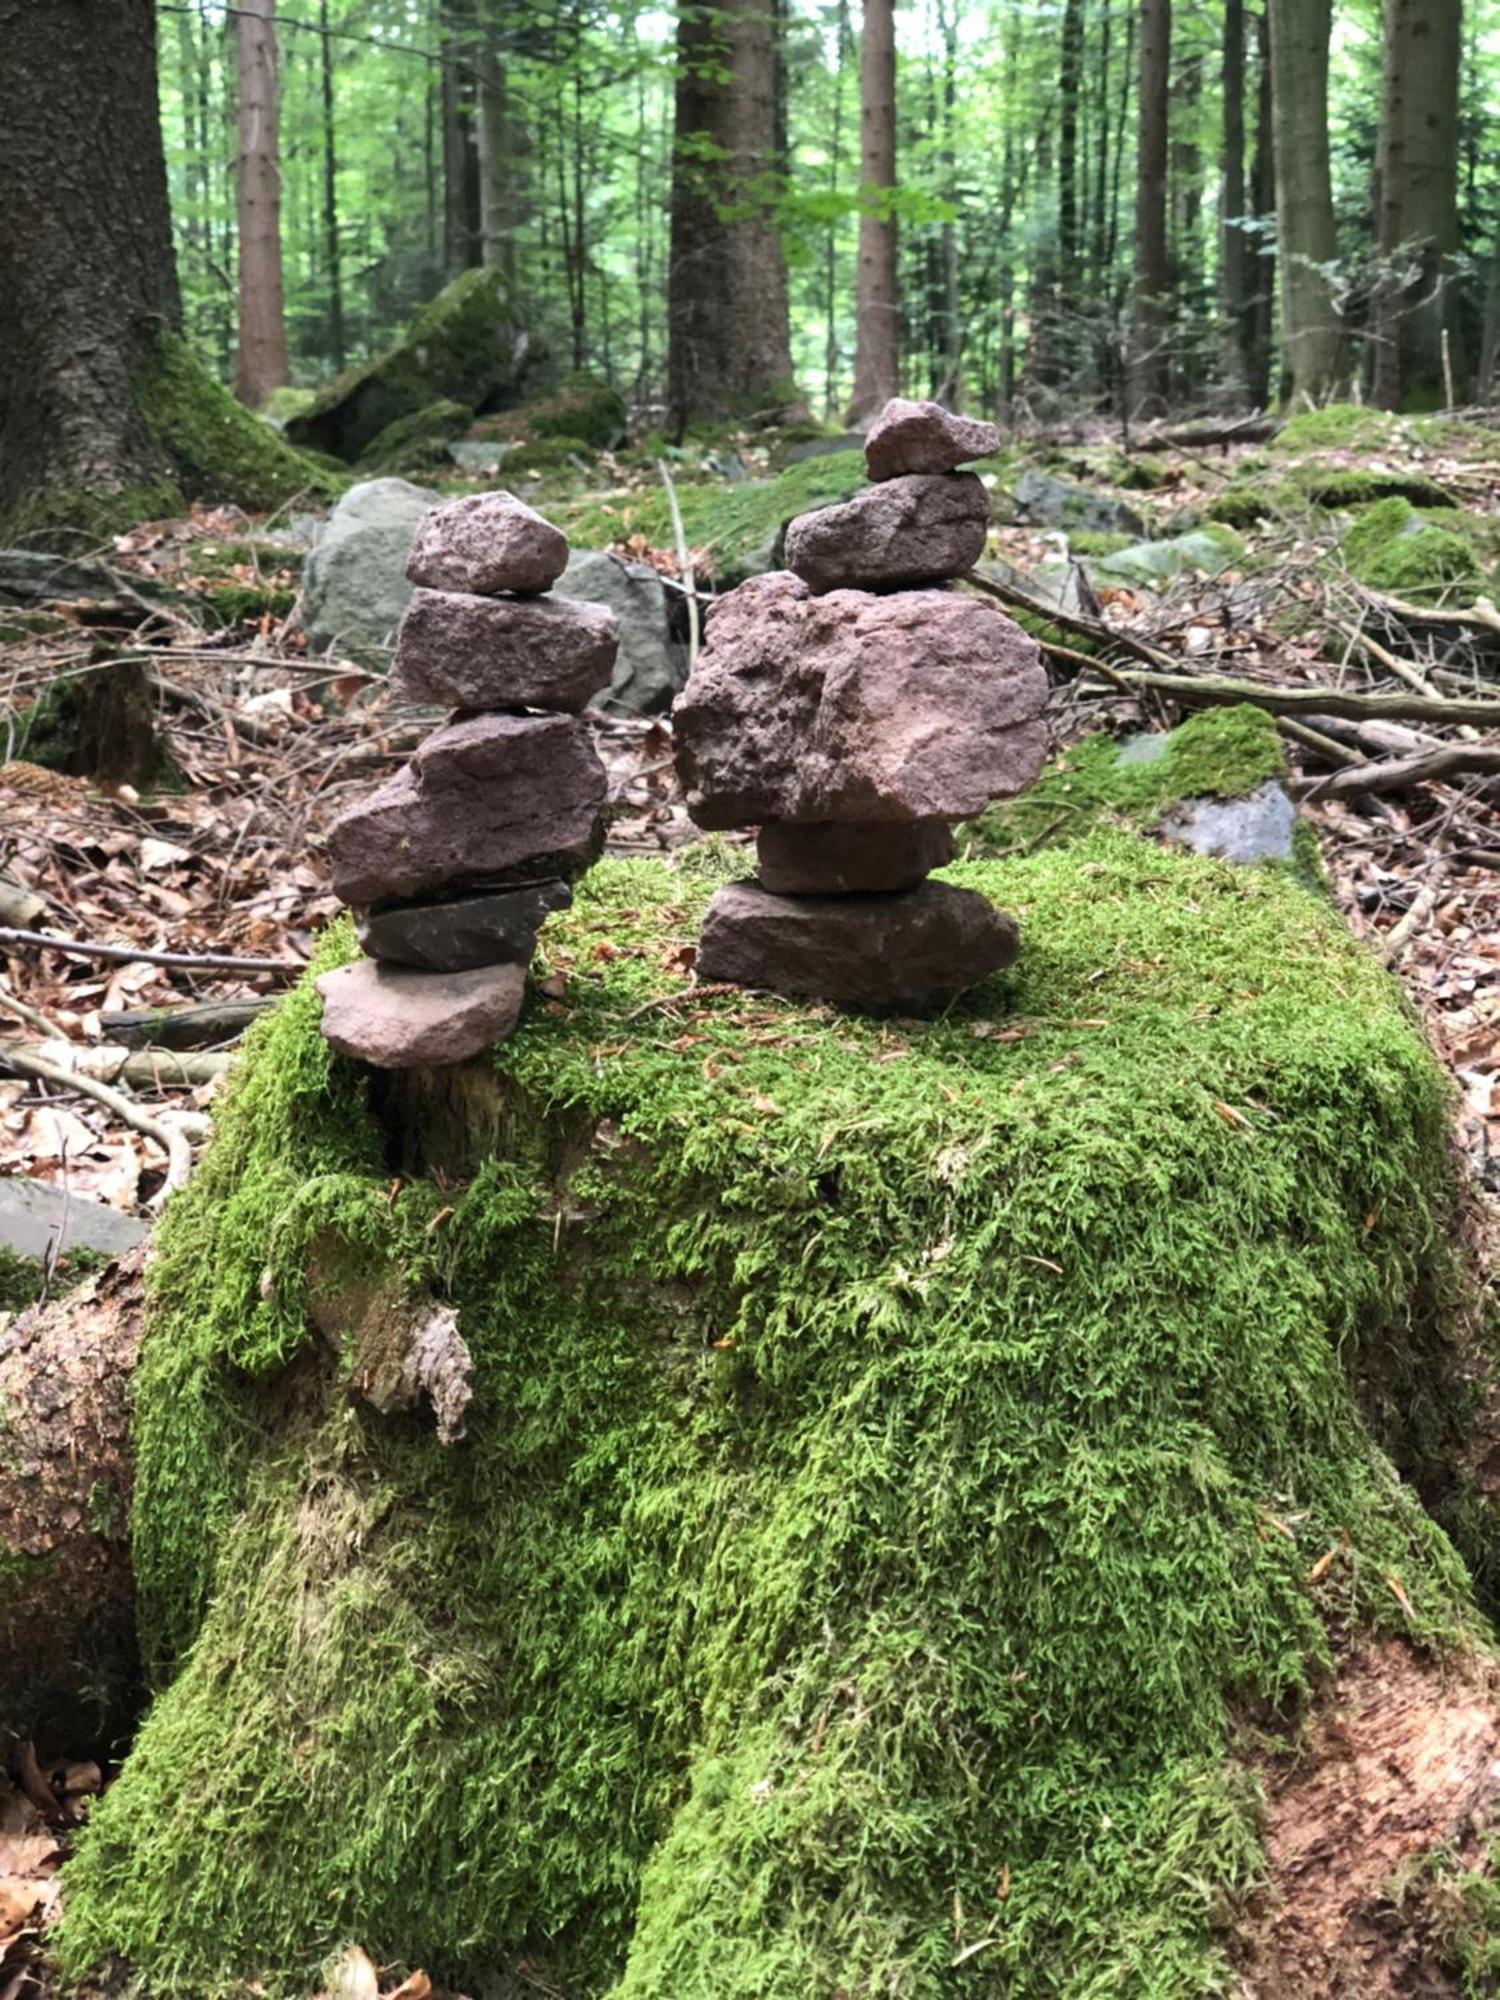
x=1255 y=429
x=179 y=1153
x=1481 y=612
x=684 y=561
x=141 y=1069
x=1072 y=621
x=1220 y=690
x=198 y=1026
x=179 y=961
x=1396 y=775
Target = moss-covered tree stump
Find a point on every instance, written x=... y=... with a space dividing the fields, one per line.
x=902 y=1456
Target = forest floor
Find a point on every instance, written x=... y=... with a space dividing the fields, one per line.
x=267 y=745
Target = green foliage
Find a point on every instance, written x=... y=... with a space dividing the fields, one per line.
x=21 y=1277
x=1345 y=426
x=897 y=1450
x=1220 y=753
x=738 y=529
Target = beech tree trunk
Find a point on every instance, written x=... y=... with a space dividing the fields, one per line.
x=1234 y=249
x=260 y=362
x=1417 y=203
x=1313 y=343
x=1150 y=360
x=728 y=324
x=1262 y=259
x=461 y=220
x=492 y=124
x=87 y=274
x=877 y=296
x=332 y=255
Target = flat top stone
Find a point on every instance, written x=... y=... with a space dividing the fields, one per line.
x=486 y=543
x=399 y=1019
x=924 y=437
x=468 y=652
x=920 y=528
x=925 y=704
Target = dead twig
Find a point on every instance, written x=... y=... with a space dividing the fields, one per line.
x=130 y=954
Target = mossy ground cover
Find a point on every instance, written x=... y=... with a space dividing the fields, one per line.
x=899 y=1450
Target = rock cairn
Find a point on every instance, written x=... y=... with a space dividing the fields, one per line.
x=851 y=707
x=454 y=863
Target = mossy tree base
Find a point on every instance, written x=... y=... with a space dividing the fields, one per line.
x=898 y=1452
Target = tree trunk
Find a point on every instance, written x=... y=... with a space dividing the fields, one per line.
x=728 y=323
x=496 y=162
x=877 y=297
x=1313 y=344
x=1417 y=180
x=1234 y=245
x=1150 y=360
x=86 y=267
x=69 y=1673
x=332 y=256
x=260 y=362
x=1262 y=258
x=1064 y=344
x=461 y=222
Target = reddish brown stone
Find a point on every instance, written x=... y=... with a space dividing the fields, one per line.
x=924 y=437
x=849 y=707
x=832 y=860
x=909 y=951
x=396 y=1018
x=486 y=542
x=918 y=529
x=468 y=652
x=493 y=799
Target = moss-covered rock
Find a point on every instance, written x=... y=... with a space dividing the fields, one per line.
x=285 y=403
x=581 y=409
x=1338 y=426
x=1247 y=505
x=469 y=345
x=898 y=1452
x=1395 y=548
x=737 y=529
x=419 y=442
x=1360 y=486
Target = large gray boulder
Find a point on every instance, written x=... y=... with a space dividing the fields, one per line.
x=355 y=592
x=1044 y=501
x=651 y=665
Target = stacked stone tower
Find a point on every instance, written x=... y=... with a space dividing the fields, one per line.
x=454 y=864
x=851 y=707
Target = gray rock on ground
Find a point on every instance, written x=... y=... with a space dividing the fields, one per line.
x=486 y=543
x=354 y=590
x=399 y=1019
x=491 y=799
x=651 y=664
x=470 y=652
x=498 y=928
x=920 y=528
x=848 y=707
x=1044 y=501
x=831 y=860
x=36 y=1216
x=924 y=437
x=910 y=951
x=1259 y=827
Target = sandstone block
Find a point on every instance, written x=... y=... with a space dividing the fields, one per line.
x=920 y=528
x=924 y=437
x=853 y=708
x=909 y=951
x=495 y=929
x=834 y=860
x=482 y=653
x=400 y=1019
x=486 y=542
x=490 y=799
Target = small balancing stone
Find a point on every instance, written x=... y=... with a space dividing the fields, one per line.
x=924 y=437
x=476 y=653
x=496 y=928
x=911 y=951
x=485 y=543
x=858 y=858
x=919 y=528
x=399 y=1019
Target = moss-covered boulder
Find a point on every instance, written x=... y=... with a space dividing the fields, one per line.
x=1394 y=547
x=469 y=345
x=899 y=1454
x=417 y=443
x=581 y=409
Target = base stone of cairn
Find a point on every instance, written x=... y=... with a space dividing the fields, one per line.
x=851 y=711
x=453 y=865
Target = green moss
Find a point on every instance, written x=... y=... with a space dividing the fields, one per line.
x=283 y=404
x=1083 y=543
x=1346 y=426
x=1394 y=548
x=1359 y=486
x=897 y=1450
x=21 y=1277
x=237 y=603
x=417 y=442
x=1246 y=506
x=737 y=528
x=1219 y=753
x=581 y=408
